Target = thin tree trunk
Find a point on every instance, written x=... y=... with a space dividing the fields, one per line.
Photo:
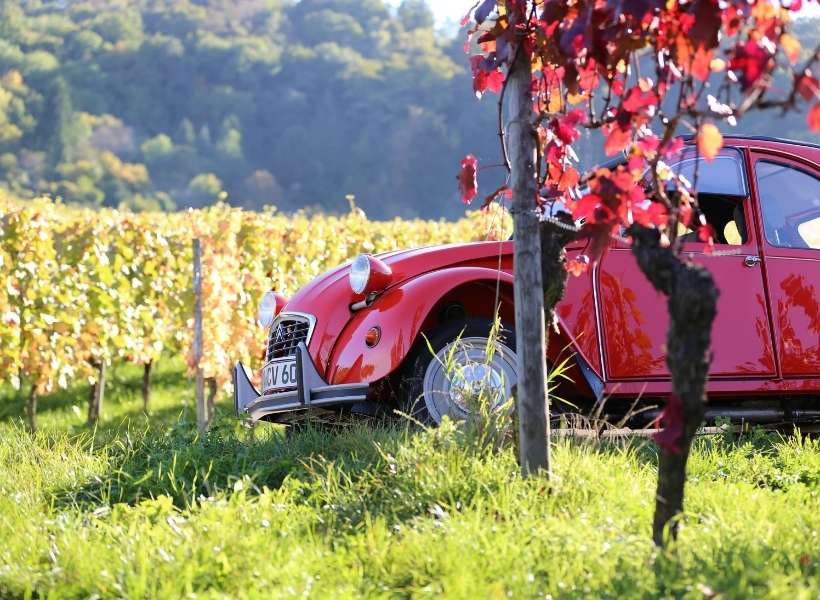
x=209 y=402
x=531 y=397
x=95 y=402
x=31 y=408
x=692 y=304
x=202 y=419
x=146 y=386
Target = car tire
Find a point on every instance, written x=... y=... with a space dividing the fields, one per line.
x=430 y=388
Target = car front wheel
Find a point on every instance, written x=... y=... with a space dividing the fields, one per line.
x=460 y=366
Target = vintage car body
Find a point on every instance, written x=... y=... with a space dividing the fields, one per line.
x=611 y=323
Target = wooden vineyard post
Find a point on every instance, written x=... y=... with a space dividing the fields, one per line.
x=531 y=398
x=202 y=413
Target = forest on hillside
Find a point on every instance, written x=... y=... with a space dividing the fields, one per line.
x=178 y=103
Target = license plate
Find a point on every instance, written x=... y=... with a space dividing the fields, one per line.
x=279 y=374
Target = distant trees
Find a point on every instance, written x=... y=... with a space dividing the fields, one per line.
x=315 y=93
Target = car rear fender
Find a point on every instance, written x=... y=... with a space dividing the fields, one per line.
x=414 y=307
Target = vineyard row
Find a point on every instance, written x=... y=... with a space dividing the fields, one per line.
x=82 y=288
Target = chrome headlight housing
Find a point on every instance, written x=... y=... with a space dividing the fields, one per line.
x=268 y=309
x=359 y=274
x=369 y=275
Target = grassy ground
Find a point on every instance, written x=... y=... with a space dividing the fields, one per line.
x=143 y=507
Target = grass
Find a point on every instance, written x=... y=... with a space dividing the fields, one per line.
x=143 y=507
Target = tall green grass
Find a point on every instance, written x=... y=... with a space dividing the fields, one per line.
x=144 y=507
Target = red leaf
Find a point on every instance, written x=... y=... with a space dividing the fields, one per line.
x=566 y=127
x=468 y=179
x=577 y=266
x=569 y=179
x=588 y=76
x=616 y=140
x=674 y=146
x=636 y=99
x=701 y=64
x=814 y=117
x=585 y=208
x=648 y=144
x=808 y=87
x=495 y=81
x=706 y=233
x=685 y=214
x=750 y=60
x=483 y=81
x=655 y=215
x=671 y=420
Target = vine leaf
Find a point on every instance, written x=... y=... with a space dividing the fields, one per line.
x=468 y=178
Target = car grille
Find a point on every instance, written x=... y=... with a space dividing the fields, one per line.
x=285 y=334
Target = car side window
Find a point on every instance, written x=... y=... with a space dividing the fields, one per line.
x=723 y=176
x=790 y=203
x=722 y=193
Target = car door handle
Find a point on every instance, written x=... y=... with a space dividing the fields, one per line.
x=751 y=261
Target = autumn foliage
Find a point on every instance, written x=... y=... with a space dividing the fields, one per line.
x=643 y=72
x=83 y=287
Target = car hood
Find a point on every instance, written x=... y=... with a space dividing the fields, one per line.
x=328 y=296
x=407 y=264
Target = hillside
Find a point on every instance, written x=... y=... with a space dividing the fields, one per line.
x=169 y=104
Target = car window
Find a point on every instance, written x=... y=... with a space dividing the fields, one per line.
x=722 y=190
x=790 y=203
x=722 y=176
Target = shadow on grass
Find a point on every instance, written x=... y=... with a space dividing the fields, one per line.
x=124 y=385
x=147 y=460
x=13 y=403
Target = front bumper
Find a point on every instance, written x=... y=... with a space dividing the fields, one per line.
x=311 y=391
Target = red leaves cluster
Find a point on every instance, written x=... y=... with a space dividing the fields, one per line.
x=750 y=61
x=586 y=61
x=468 y=179
x=485 y=76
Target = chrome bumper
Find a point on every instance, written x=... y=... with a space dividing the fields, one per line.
x=311 y=391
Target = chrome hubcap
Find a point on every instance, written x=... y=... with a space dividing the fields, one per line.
x=462 y=375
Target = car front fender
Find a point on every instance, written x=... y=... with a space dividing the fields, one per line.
x=400 y=313
x=405 y=310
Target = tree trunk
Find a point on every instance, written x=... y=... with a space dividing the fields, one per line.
x=531 y=400
x=209 y=402
x=146 y=386
x=202 y=419
x=692 y=304
x=31 y=408
x=95 y=401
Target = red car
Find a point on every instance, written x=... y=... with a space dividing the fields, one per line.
x=409 y=329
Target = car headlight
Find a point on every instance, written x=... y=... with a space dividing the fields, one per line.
x=369 y=274
x=359 y=274
x=270 y=306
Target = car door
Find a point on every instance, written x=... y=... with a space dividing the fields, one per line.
x=789 y=197
x=634 y=316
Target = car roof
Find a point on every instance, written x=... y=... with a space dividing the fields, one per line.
x=761 y=138
x=736 y=140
